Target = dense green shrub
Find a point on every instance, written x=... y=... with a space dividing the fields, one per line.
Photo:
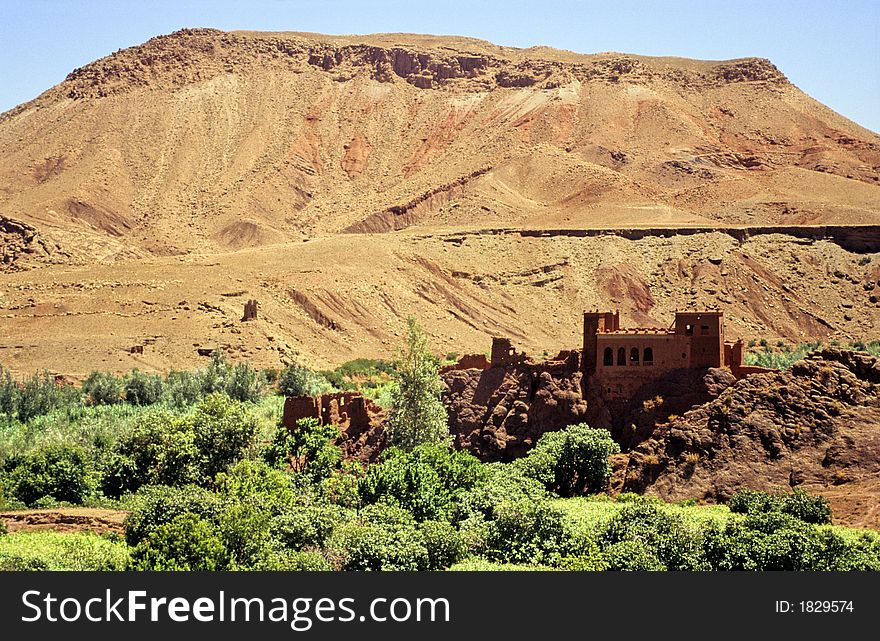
x=778 y=541
x=9 y=394
x=310 y=449
x=526 y=531
x=571 y=460
x=245 y=530
x=102 y=388
x=665 y=536
x=154 y=506
x=61 y=472
x=807 y=508
x=254 y=480
x=160 y=450
x=214 y=378
x=62 y=551
x=498 y=483
x=289 y=561
x=417 y=414
x=444 y=544
x=425 y=481
x=143 y=389
x=296 y=380
x=383 y=537
x=307 y=526
x=223 y=432
x=631 y=555
x=187 y=542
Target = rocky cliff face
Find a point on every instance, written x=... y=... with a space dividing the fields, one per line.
x=816 y=426
x=499 y=413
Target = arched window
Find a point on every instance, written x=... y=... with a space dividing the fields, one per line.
x=648 y=358
x=608 y=356
x=621 y=356
x=634 y=355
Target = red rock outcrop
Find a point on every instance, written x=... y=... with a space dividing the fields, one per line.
x=816 y=425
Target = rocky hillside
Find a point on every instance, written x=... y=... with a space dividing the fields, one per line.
x=203 y=141
x=816 y=426
x=348 y=182
x=501 y=412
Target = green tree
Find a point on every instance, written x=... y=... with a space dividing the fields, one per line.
x=39 y=395
x=9 y=394
x=310 y=448
x=417 y=414
x=572 y=460
x=297 y=380
x=424 y=481
x=244 y=383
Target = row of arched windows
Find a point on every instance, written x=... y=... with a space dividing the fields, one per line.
x=647 y=356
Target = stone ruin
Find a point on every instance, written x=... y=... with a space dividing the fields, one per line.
x=358 y=418
x=250 y=310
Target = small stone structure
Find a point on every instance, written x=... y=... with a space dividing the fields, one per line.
x=250 y=310
x=468 y=361
x=504 y=355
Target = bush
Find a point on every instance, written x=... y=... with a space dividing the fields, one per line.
x=160 y=450
x=223 y=431
x=662 y=536
x=154 y=506
x=183 y=388
x=499 y=483
x=307 y=526
x=186 y=543
x=102 y=388
x=425 y=481
x=807 y=508
x=40 y=395
x=255 y=480
x=572 y=460
x=61 y=472
x=632 y=556
x=143 y=389
x=9 y=394
x=382 y=538
x=214 y=378
x=297 y=380
x=287 y=561
x=245 y=531
x=62 y=551
x=444 y=544
x=526 y=532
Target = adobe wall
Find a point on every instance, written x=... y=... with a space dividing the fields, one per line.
x=468 y=361
x=358 y=418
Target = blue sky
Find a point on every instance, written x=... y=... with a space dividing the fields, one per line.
x=830 y=49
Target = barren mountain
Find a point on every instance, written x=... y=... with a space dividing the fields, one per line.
x=143 y=199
